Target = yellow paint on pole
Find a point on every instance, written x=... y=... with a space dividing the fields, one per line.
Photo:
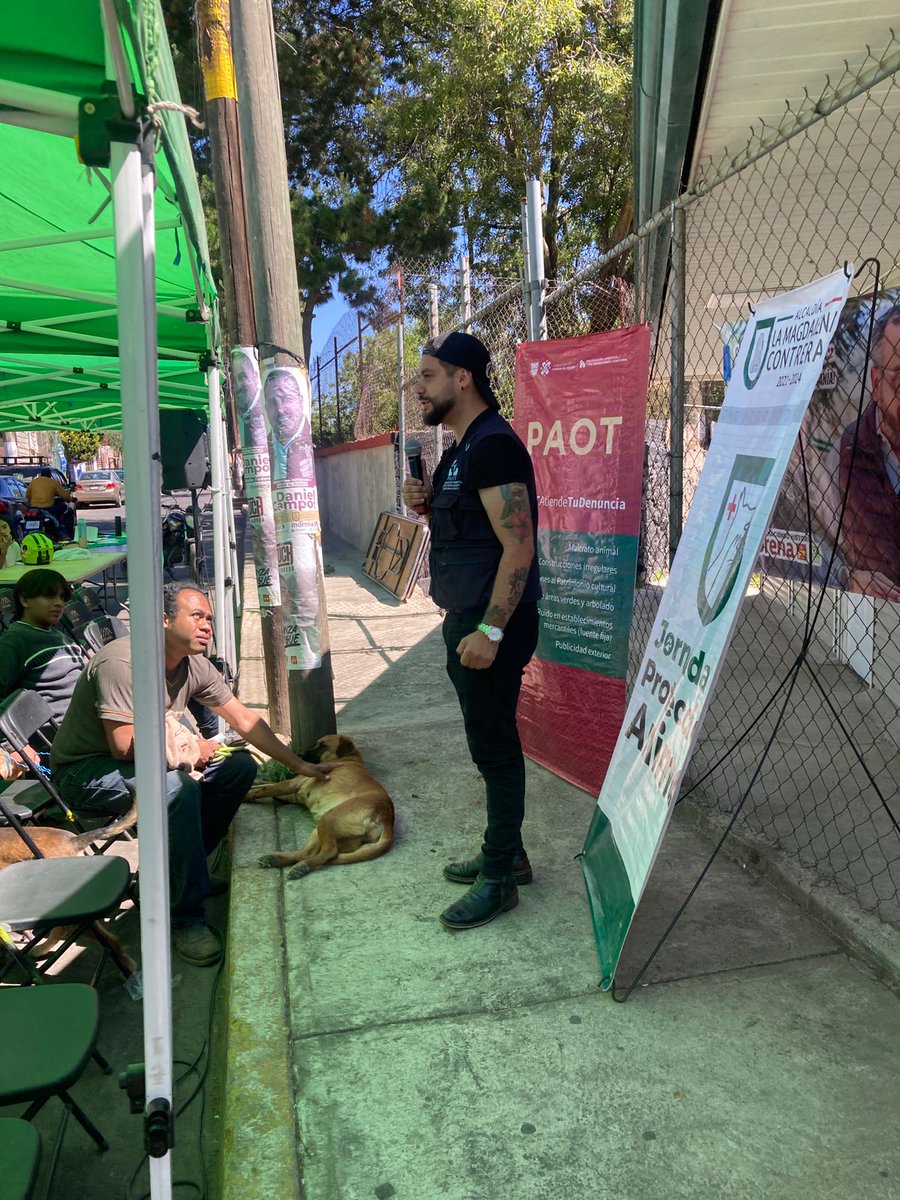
x=216 y=63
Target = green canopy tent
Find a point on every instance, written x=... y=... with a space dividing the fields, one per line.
x=106 y=307
x=75 y=391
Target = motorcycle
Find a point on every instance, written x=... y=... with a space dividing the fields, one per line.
x=46 y=521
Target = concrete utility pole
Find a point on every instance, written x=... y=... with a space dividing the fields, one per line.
x=214 y=44
x=280 y=340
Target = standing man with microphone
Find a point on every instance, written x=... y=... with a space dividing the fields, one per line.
x=482 y=507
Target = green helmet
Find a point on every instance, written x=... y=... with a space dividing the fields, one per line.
x=37 y=549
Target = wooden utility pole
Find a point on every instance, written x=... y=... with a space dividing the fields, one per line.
x=239 y=324
x=279 y=323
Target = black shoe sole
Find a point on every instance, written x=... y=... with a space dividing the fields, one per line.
x=454 y=925
x=521 y=877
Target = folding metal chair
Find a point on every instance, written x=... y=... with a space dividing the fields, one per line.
x=91 y=629
x=7 y=608
x=75 y=894
x=55 y=1037
x=76 y=614
x=23 y=718
x=101 y=631
x=16 y=796
x=20 y=1157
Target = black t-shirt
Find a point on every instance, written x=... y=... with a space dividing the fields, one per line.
x=498 y=460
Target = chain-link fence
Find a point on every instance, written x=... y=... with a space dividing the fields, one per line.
x=818 y=189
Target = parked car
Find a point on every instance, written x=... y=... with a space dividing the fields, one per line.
x=26 y=471
x=99 y=487
x=13 y=504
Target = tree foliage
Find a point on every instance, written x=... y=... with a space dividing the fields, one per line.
x=483 y=94
x=410 y=125
x=79 y=445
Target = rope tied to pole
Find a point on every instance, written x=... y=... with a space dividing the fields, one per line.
x=192 y=114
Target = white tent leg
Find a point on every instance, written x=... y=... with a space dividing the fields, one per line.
x=232 y=533
x=223 y=585
x=132 y=188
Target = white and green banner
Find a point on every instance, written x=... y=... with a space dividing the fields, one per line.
x=776 y=370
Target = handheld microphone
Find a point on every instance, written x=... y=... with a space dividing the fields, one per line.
x=413 y=451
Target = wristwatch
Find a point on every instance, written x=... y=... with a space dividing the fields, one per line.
x=491 y=632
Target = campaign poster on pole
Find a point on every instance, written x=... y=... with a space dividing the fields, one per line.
x=779 y=361
x=287 y=406
x=257 y=476
x=580 y=409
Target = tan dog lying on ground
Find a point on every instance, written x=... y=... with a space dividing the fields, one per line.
x=58 y=843
x=353 y=813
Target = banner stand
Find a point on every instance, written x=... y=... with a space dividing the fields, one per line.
x=780 y=359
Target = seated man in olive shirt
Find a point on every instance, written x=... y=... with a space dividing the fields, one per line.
x=93 y=755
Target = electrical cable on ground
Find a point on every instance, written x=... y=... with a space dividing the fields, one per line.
x=190 y=1068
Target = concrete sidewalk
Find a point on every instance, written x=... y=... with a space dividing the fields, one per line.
x=374 y=1054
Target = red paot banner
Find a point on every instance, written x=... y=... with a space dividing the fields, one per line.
x=580 y=410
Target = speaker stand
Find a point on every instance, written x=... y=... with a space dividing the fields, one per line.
x=200 y=572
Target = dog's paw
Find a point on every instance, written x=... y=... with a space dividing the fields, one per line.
x=271 y=860
x=299 y=871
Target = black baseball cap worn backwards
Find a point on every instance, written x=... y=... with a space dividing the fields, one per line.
x=464 y=350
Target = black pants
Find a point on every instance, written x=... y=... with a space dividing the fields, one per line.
x=200 y=811
x=488 y=700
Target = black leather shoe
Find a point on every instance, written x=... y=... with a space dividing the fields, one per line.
x=485 y=899
x=468 y=872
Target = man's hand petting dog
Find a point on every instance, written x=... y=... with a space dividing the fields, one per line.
x=319 y=771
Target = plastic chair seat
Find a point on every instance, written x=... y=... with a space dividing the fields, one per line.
x=55 y=1031
x=20 y=1156
x=41 y=893
x=21 y=811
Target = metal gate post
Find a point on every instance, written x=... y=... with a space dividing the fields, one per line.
x=676 y=389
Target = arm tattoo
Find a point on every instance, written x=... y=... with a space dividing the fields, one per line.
x=516 y=514
x=499 y=614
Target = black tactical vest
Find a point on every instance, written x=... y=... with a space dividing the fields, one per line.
x=465 y=551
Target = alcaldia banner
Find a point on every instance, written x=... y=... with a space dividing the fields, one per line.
x=779 y=362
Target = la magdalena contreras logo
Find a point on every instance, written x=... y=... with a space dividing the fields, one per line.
x=789 y=343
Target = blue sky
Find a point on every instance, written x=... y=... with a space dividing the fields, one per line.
x=324 y=321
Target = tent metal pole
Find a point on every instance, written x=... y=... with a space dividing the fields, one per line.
x=232 y=537
x=77 y=235
x=222 y=585
x=59 y=393
x=92 y=339
x=132 y=176
x=58 y=126
x=110 y=374
x=39 y=100
x=46 y=289
x=115 y=56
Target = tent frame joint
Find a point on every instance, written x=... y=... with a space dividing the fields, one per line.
x=101 y=122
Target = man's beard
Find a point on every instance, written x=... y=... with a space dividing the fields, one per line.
x=438 y=410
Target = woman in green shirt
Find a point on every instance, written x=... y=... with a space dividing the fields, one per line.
x=35 y=654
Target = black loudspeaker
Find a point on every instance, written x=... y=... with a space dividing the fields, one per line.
x=184 y=450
